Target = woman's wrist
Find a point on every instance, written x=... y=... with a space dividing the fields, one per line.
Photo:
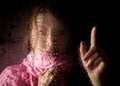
x=96 y=82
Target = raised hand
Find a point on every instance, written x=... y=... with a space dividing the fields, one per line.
x=94 y=60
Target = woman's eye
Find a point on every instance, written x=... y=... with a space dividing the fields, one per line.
x=59 y=33
x=42 y=32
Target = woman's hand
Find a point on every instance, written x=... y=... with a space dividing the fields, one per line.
x=51 y=77
x=94 y=60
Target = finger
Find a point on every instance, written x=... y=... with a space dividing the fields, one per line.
x=102 y=65
x=83 y=50
x=93 y=37
x=98 y=63
x=92 y=59
x=98 y=60
x=91 y=51
x=46 y=71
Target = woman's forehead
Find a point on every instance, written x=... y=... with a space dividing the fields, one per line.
x=48 y=21
x=46 y=18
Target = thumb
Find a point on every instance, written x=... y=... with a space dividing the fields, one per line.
x=83 y=50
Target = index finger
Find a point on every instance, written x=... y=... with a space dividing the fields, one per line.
x=93 y=37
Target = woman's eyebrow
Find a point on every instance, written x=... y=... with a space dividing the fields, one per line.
x=41 y=27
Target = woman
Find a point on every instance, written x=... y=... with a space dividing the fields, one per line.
x=52 y=57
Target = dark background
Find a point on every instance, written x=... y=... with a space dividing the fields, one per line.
x=105 y=15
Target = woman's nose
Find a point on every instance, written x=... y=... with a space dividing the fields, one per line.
x=51 y=43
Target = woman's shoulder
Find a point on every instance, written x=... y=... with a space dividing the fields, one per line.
x=11 y=74
x=13 y=69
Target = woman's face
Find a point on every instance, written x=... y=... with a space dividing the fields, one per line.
x=48 y=35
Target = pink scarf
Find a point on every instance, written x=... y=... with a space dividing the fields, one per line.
x=26 y=73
